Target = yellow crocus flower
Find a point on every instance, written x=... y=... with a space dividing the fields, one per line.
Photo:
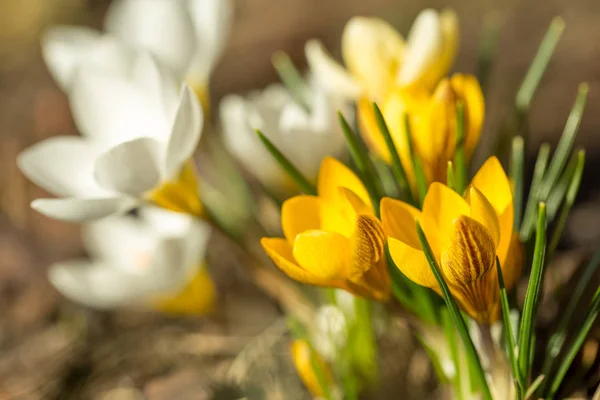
x=377 y=58
x=303 y=357
x=432 y=121
x=333 y=239
x=465 y=234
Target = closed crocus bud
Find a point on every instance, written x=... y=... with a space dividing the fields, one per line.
x=152 y=261
x=304 y=136
x=466 y=235
x=138 y=136
x=305 y=360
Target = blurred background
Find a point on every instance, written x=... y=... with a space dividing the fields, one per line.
x=39 y=361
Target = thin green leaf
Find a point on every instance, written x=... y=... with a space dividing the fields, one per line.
x=450 y=178
x=563 y=149
x=557 y=340
x=303 y=184
x=576 y=344
x=450 y=332
x=457 y=318
x=532 y=295
x=568 y=204
x=517 y=173
x=530 y=209
x=534 y=386
x=539 y=64
x=397 y=167
x=363 y=163
x=508 y=331
x=292 y=79
x=460 y=158
x=416 y=161
x=487 y=48
x=559 y=191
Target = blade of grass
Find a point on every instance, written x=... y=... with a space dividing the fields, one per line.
x=508 y=333
x=533 y=199
x=487 y=48
x=532 y=295
x=538 y=66
x=576 y=344
x=459 y=322
x=291 y=78
x=559 y=191
x=563 y=149
x=517 y=172
x=460 y=160
x=450 y=178
x=557 y=340
x=569 y=201
x=416 y=161
x=397 y=167
x=303 y=184
x=363 y=163
x=534 y=386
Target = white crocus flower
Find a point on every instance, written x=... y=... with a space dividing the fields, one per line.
x=137 y=139
x=148 y=260
x=186 y=35
x=377 y=58
x=304 y=137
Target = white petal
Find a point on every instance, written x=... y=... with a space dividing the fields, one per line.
x=423 y=47
x=76 y=209
x=131 y=168
x=329 y=73
x=162 y=27
x=114 y=110
x=371 y=48
x=62 y=165
x=186 y=131
x=96 y=284
x=212 y=21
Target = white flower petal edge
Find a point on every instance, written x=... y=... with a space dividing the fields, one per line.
x=134 y=259
x=163 y=28
x=329 y=73
x=76 y=209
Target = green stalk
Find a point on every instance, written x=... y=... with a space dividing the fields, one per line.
x=460 y=158
x=534 y=198
x=532 y=296
x=534 y=386
x=416 y=161
x=517 y=173
x=474 y=361
x=303 y=184
x=508 y=333
x=397 y=168
x=450 y=332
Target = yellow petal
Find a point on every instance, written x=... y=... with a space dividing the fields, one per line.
x=303 y=357
x=372 y=50
x=512 y=264
x=367 y=246
x=280 y=251
x=492 y=182
x=357 y=204
x=483 y=212
x=441 y=207
x=332 y=175
x=412 y=263
x=400 y=221
x=369 y=129
x=299 y=214
x=196 y=298
x=325 y=255
x=181 y=194
x=468 y=90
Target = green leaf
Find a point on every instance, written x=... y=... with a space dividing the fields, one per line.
x=292 y=79
x=474 y=361
x=534 y=386
x=450 y=178
x=557 y=340
x=303 y=184
x=572 y=190
x=517 y=172
x=363 y=163
x=460 y=159
x=559 y=191
x=397 y=168
x=576 y=344
x=539 y=64
x=532 y=295
x=534 y=198
x=508 y=331
x=487 y=48
x=416 y=161
x=450 y=332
